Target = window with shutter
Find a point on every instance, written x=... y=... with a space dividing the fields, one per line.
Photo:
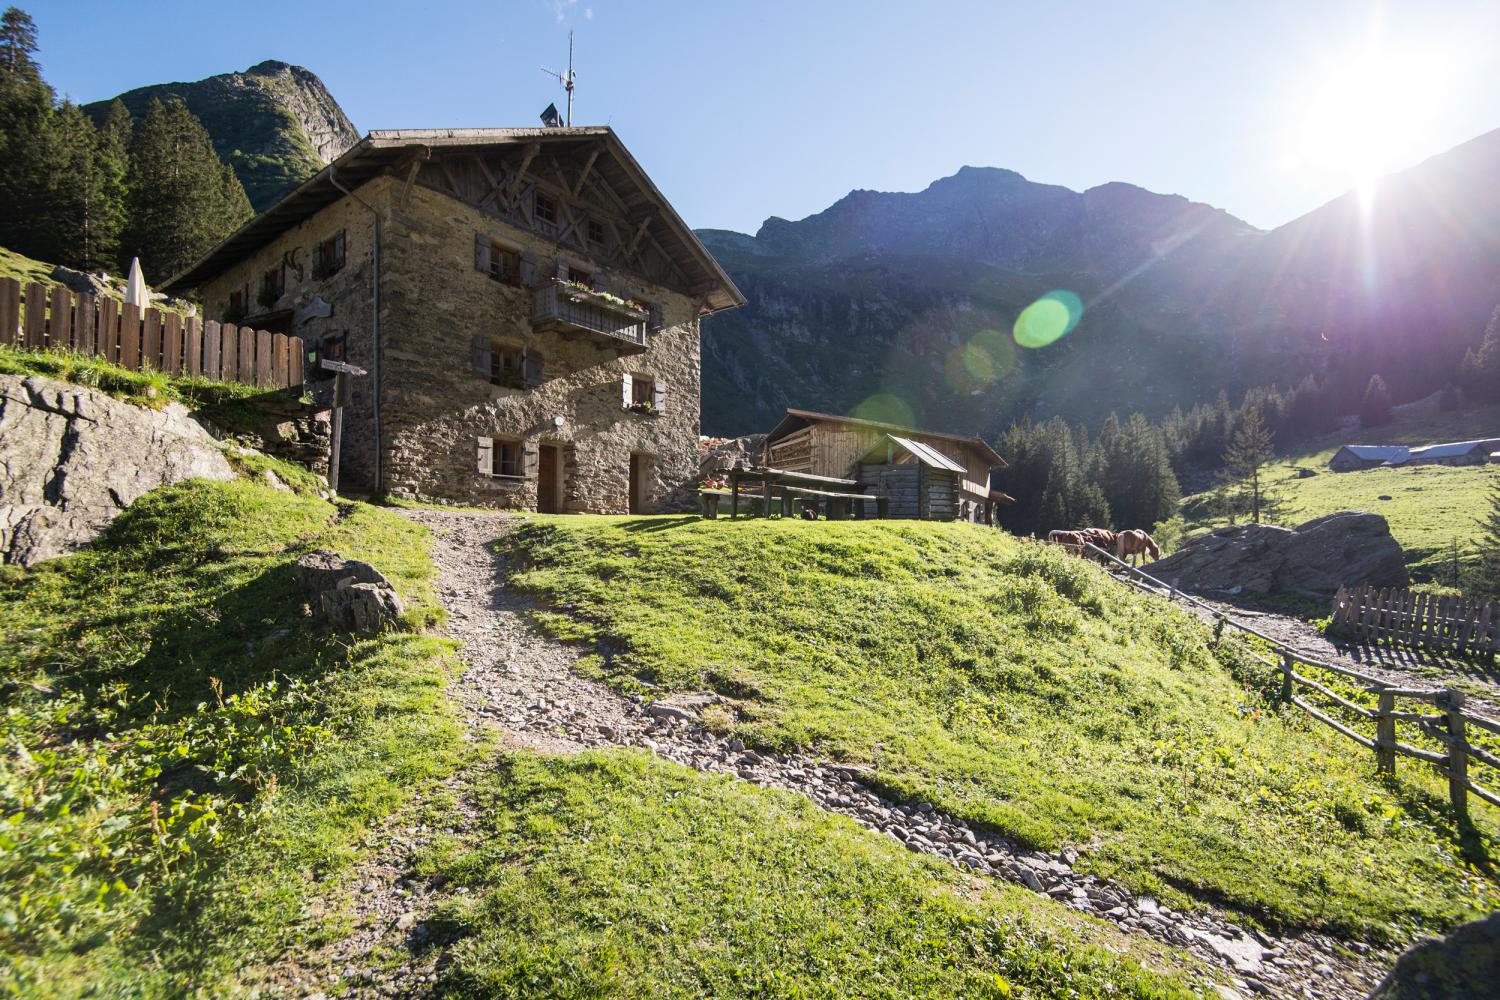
x=627 y=396
x=528 y=268
x=640 y=393
x=507 y=365
x=508 y=459
x=328 y=256
x=659 y=397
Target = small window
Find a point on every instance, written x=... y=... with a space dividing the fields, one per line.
x=272 y=284
x=546 y=209
x=642 y=394
x=596 y=232
x=506 y=458
x=507 y=365
x=235 y=311
x=328 y=256
x=505 y=263
x=580 y=276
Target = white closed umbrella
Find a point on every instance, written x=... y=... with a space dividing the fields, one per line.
x=136 y=292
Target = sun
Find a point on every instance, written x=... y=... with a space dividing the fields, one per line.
x=1369 y=110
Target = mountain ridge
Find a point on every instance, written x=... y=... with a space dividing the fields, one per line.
x=1182 y=299
x=275 y=123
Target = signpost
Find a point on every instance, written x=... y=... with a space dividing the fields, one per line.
x=330 y=376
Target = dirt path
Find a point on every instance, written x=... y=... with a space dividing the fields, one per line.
x=521 y=685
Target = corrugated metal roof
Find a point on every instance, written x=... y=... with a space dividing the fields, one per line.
x=1450 y=450
x=927 y=455
x=1377 y=452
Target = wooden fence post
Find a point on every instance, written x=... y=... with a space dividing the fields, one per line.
x=1385 y=734
x=1286 y=677
x=1458 y=753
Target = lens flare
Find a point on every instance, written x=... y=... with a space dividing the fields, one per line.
x=886 y=408
x=1000 y=349
x=1048 y=319
x=988 y=357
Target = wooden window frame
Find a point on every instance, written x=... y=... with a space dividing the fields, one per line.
x=272 y=286
x=511 y=376
x=596 y=232
x=329 y=255
x=544 y=209
x=507 y=454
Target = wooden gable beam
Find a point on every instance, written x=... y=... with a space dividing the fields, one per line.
x=584 y=174
x=640 y=233
x=532 y=150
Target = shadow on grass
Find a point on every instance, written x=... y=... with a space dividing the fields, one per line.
x=660 y=523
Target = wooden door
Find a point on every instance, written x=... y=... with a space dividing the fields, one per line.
x=637 y=484
x=549 y=479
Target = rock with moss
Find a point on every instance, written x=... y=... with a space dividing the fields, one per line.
x=72 y=458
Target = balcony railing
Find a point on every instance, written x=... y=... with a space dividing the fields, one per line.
x=567 y=308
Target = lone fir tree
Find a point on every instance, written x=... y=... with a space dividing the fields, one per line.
x=1245 y=469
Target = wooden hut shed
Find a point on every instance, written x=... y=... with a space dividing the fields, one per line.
x=925 y=474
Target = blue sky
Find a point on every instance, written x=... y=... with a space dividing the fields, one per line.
x=744 y=110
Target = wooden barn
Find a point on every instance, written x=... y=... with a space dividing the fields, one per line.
x=924 y=475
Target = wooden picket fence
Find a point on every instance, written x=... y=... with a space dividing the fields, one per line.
x=1454 y=623
x=1447 y=724
x=146 y=339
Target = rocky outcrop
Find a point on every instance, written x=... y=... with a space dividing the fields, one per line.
x=71 y=458
x=1313 y=560
x=352 y=595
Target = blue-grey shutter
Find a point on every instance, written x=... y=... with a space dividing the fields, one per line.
x=481 y=253
x=533 y=369
x=562 y=269
x=528 y=268
x=601 y=283
x=626 y=385
x=653 y=321
x=528 y=459
x=319 y=265
x=479 y=355
x=659 y=396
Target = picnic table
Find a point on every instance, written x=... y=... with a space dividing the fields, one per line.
x=782 y=491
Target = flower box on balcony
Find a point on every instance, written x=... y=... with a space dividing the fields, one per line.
x=573 y=309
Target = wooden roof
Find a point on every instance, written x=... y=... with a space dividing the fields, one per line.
x=797 y=419
x=385 y=151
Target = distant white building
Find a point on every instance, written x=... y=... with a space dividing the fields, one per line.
x=1367 y=456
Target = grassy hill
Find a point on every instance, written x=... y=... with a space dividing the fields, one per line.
x=1429 y=507
x=1020 y=688
x=192 y=767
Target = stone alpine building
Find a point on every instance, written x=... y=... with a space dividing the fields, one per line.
x=526 y=304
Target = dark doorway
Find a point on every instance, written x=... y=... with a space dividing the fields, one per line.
x=549 y=480
x=638 y=468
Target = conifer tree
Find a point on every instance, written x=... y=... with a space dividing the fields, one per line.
x=1245 y=461
x=25 y=140
x=181 y=199
x=1480 y=374
x=1375 y=409
x=1486 y=574
x=18 y=46
x=85 y=204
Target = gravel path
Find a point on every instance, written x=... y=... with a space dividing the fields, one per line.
x=522 y=684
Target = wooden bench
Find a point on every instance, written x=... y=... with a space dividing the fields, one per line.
x=710 y=502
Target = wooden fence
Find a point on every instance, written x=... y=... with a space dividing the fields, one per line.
x=1455 y=623
x=1446 y=723
x=145 y=339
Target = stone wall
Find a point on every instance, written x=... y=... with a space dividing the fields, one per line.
x=434 y=408
x=348 y=294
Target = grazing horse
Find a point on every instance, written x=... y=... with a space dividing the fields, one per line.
x=1066 y=538
x=1135 y=542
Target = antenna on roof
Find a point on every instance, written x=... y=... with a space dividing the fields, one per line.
x=566 y=79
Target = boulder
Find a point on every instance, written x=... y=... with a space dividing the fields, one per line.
x=1312 y=560
x=352 y=595
x=72 y=458
x=1465 y=964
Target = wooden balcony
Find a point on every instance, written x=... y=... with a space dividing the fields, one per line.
x=569 y=310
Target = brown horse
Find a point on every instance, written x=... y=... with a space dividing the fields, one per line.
x=1066 y=538
x=1135 y=542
